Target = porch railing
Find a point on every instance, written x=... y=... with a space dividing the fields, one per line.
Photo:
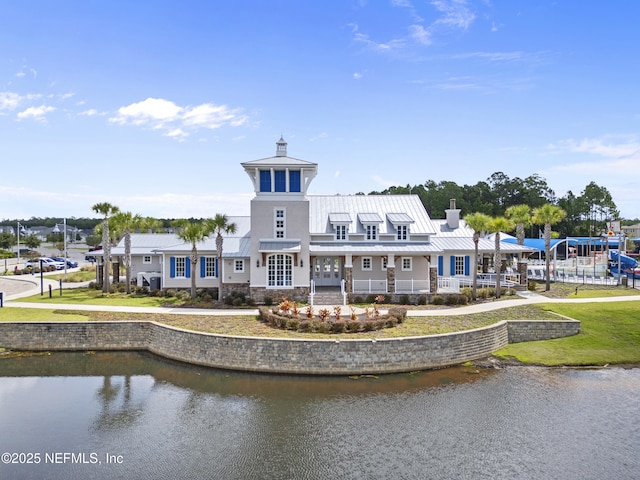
x=412 y=286
x=369 y=286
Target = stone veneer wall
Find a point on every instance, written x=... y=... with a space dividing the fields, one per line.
x=276 y=355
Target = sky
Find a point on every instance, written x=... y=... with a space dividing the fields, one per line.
x=152 y=105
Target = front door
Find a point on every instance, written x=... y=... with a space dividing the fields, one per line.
x=327 y=271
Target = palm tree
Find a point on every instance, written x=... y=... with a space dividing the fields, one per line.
x=548 y=215
x=521 y=216
x=497 y=225
x=193 y=233
x=106 y=210
x=125 y=222
x=480 y=223
x=219 y=225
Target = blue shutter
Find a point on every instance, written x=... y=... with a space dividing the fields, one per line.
x=452 y=265
x=203 y=267
x=265 y=181
x=294 y=181
x=466 y=265
x=280 y=180
x=187 y=267
x=172 y=267
x=440 y=265
x=216 y=267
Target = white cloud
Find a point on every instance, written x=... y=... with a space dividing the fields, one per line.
x=89 y=113
x=357 y=75
x=419 y=34
x=9 y=100
x=455 y=13
x=161 y=114
x=36 y=113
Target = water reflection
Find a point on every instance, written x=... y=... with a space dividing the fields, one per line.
x=170 y=420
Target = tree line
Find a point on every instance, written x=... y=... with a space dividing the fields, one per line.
x=586 y=213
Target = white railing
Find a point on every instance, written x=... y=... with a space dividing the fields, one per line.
x=448 y=285
x=412 y=286
x=312 y=291
x=369 y=286
x=343 y=291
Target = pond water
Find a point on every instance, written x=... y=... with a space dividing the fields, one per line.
x=135 y=416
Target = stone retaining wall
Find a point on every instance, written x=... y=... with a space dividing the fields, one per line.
x=276 y=355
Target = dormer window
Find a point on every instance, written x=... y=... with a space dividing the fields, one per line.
x=371 y=224
x=341 y=232
x=372 y=232
x=402 y=232
x=340 y=222
x=401 y=223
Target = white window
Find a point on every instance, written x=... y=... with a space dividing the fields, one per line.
x=383 y=262
x=403 y=232
x=341 y=232
x=181 y=267
x=407 y=265
x=146 y=259
x=280 y=223
x=210 y=266
x=459 y=265
x=372 y=232
x=279 y=270
x=238 y=266
x=366 y=263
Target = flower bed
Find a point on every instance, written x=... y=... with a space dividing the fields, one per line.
x=287 y=316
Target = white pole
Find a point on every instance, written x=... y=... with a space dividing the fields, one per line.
x=65 y=247
x=18 y=231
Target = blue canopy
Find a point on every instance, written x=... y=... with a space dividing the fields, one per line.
x=537 y=243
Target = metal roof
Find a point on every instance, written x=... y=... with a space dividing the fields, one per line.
x=283 y=246
x=374 y=249
x=278 y=161
x=340 y=218
x=399 y=218
x=321 y=206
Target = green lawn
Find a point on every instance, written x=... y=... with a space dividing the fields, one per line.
x=610 y=335
x=89 y=296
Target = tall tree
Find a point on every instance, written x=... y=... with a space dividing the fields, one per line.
x=219 y=225
x=548 y=215
x=106 y=210
x=480 y=223
x=193 y=232
x=125 y=222
x=521 y=216
x=598 y=207
x=498 y=225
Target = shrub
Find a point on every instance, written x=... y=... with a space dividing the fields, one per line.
x=358 y=299
x=404 y=300
x=422 y=300
x=305 y=326
x=437 y=300
x=368 y=325
x=371 y=298
x=206 y=297
x=467 y=292
x=353 y=326
x=338 y=326
x=170 y=293
x=293 y=324
x=268 y=301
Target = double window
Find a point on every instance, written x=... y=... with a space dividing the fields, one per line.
x=371 y=232
x=402 y=232
x=366 y=263
x=341 y=232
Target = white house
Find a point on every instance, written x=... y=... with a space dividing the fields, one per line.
x=294 y=244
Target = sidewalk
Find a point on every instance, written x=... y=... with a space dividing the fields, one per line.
x=21 y=286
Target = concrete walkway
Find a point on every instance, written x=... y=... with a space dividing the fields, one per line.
x=16 y=287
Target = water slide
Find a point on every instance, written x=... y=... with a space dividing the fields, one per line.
x=627 y=264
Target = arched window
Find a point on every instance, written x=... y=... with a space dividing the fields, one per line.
x=279 y=270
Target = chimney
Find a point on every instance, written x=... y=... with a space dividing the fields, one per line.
x=453 y=215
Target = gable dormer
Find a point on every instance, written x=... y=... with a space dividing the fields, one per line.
x=281 y=175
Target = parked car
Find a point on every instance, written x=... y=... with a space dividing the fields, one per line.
x=70 y=263
x=46 y=262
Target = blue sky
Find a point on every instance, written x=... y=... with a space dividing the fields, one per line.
x=153 y=105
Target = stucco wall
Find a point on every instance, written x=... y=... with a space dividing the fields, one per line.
x=324 y=357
